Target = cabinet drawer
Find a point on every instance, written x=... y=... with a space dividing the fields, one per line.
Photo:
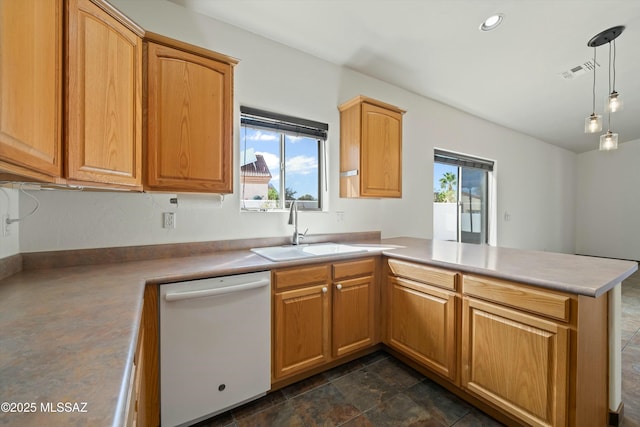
x=362 y=267
x=548 y=304
x=301 y=276
x=422 y=273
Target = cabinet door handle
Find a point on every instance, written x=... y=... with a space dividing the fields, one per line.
x=324 y=289
x=338 y=286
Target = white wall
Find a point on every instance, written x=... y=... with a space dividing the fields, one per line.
x=608 y=202
x=529 y=173
x=535 y=180
x=9 y=244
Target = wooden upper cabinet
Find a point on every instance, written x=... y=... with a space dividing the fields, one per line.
x=104 y=97
x=190 y=118
x=370 y=149
x=31 y=88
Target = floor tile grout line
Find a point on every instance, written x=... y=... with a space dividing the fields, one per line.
x=289 y=398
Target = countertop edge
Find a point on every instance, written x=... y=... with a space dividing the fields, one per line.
x=551 y=285
x=120 y=414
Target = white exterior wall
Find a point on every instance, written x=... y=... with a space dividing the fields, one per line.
x=535 y=180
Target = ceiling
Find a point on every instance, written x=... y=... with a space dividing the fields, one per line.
x=511 y=75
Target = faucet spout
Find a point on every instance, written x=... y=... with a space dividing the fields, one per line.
x=293 y=214
x=293 y=220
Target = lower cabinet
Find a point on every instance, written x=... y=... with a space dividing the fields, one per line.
x=354 y=306
x=302 y=319
x=530 y=356
x=135 y=413
x=516 y=349
x=422 y=324
x=322 y=312
x=516 y=361
x=422 y=315
x=145 y=407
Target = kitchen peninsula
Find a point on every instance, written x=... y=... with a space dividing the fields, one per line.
x=70 y=328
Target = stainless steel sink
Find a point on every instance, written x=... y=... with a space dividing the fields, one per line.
x=292 y=252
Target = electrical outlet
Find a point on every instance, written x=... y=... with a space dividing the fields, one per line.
x=6 y=232
x=169 y=220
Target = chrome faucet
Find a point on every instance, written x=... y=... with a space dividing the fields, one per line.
x=293 y=220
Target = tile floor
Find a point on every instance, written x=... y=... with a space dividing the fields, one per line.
x=380 y=391
x=376 y=390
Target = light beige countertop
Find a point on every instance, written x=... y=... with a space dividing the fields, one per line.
x=68 y=334
x=580 y=275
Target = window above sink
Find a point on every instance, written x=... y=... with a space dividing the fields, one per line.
x=282 y=158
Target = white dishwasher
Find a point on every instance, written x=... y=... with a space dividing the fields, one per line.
x=215 y=345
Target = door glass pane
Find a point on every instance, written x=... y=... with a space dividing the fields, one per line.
x=445 y=202
x=473 y=205
x=460 y=203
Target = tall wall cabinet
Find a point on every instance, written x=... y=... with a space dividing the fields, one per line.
x=370 y=149
x=104 y=97
x=31 y=88
x=190 y=118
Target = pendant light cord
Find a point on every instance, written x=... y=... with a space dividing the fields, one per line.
x=609 y=109
x=595 y=64
x=614 y=64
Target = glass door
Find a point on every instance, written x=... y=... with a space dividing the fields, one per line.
x=460 y=198
x=472 y=205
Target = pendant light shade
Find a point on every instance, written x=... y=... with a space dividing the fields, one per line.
x=593 y=123
x=609 y=141
x=614 y=102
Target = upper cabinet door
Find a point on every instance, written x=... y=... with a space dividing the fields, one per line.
x=31 y=88
x=104 y=98
x=381 y=154
x=370 y=149
x=190 y=108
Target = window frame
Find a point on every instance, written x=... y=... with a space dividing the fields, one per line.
x=284 y=126
x=465 y=161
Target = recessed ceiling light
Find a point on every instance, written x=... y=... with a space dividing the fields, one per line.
x=491 y=22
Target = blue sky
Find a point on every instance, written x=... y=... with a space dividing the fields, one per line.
x=301 y=158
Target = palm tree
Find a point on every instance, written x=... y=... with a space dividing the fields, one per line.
x=447 y=182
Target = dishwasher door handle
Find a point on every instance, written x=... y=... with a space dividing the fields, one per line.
x=177 y=296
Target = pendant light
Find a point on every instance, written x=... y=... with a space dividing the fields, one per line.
x=609 y=141
x=593 y=123
x=614 y=100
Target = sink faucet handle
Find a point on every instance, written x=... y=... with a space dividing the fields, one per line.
x=305 y=232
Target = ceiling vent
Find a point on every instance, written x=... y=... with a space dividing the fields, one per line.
x=579 y=70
